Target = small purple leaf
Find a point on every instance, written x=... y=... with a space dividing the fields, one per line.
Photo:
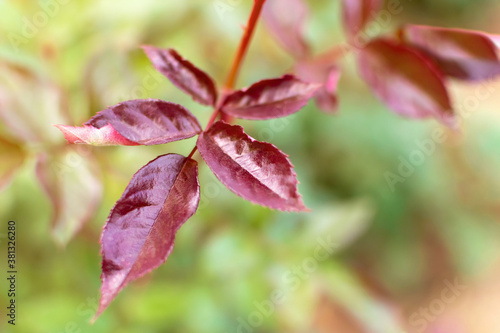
x=183 y=74
x=256 y=171
x=135 y=122
x=405 y=80
x=140 y=230
x=269 y=99
x=463 y=54
x=288 y=29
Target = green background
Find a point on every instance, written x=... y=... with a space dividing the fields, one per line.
x=395 y=248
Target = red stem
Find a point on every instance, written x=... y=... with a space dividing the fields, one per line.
x=245 y=41
x=238 y=59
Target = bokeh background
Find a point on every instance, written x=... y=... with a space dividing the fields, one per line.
x=394 y=251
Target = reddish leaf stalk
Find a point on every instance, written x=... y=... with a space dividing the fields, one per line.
x=238 y=60
x=245 y=41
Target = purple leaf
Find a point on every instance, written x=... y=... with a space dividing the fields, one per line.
x=74 y=188
x=269 y=99
x=183 y=74
x=136 y=122
x=288 y=29
x=463 y=54
x=104 y=136
x=256 y=171
x=328 y=75
x=140 y=230
x=405 y=80
x=357 y=13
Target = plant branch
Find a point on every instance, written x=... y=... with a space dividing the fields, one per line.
x=245 y=41
x=238 y=59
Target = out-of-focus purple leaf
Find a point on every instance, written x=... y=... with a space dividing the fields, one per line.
x=12 y=157
x=136 y=122
x=463 y=54
x=405 y=80
x=183 y=74
x=256 y=171
x=328 y=76
x=139 y=233
x=29 y=104
x=269 y=99
x=74 y=189
x=357 y=13
x=286 y=19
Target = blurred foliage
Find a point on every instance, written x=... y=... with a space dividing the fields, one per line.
x=62 y=61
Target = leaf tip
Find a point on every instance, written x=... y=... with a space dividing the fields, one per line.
x=103 y=304
x=148 y=49
x=297 y=206
x=68 y=134
x=304 y=209
x=104 y=136
x=97 y=314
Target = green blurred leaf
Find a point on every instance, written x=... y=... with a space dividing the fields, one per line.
x=12 y=157
x=73 y=187
x=30 y=104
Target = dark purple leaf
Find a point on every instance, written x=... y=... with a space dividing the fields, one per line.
x=183 y=74
x=140 y=231
x=136 y=122
x=285 y=19
x=74 y=188
x=357 y=13
x=405 y=80
x=256 y=171
x=463 y=54
x=269 y=99
x=328 y=75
